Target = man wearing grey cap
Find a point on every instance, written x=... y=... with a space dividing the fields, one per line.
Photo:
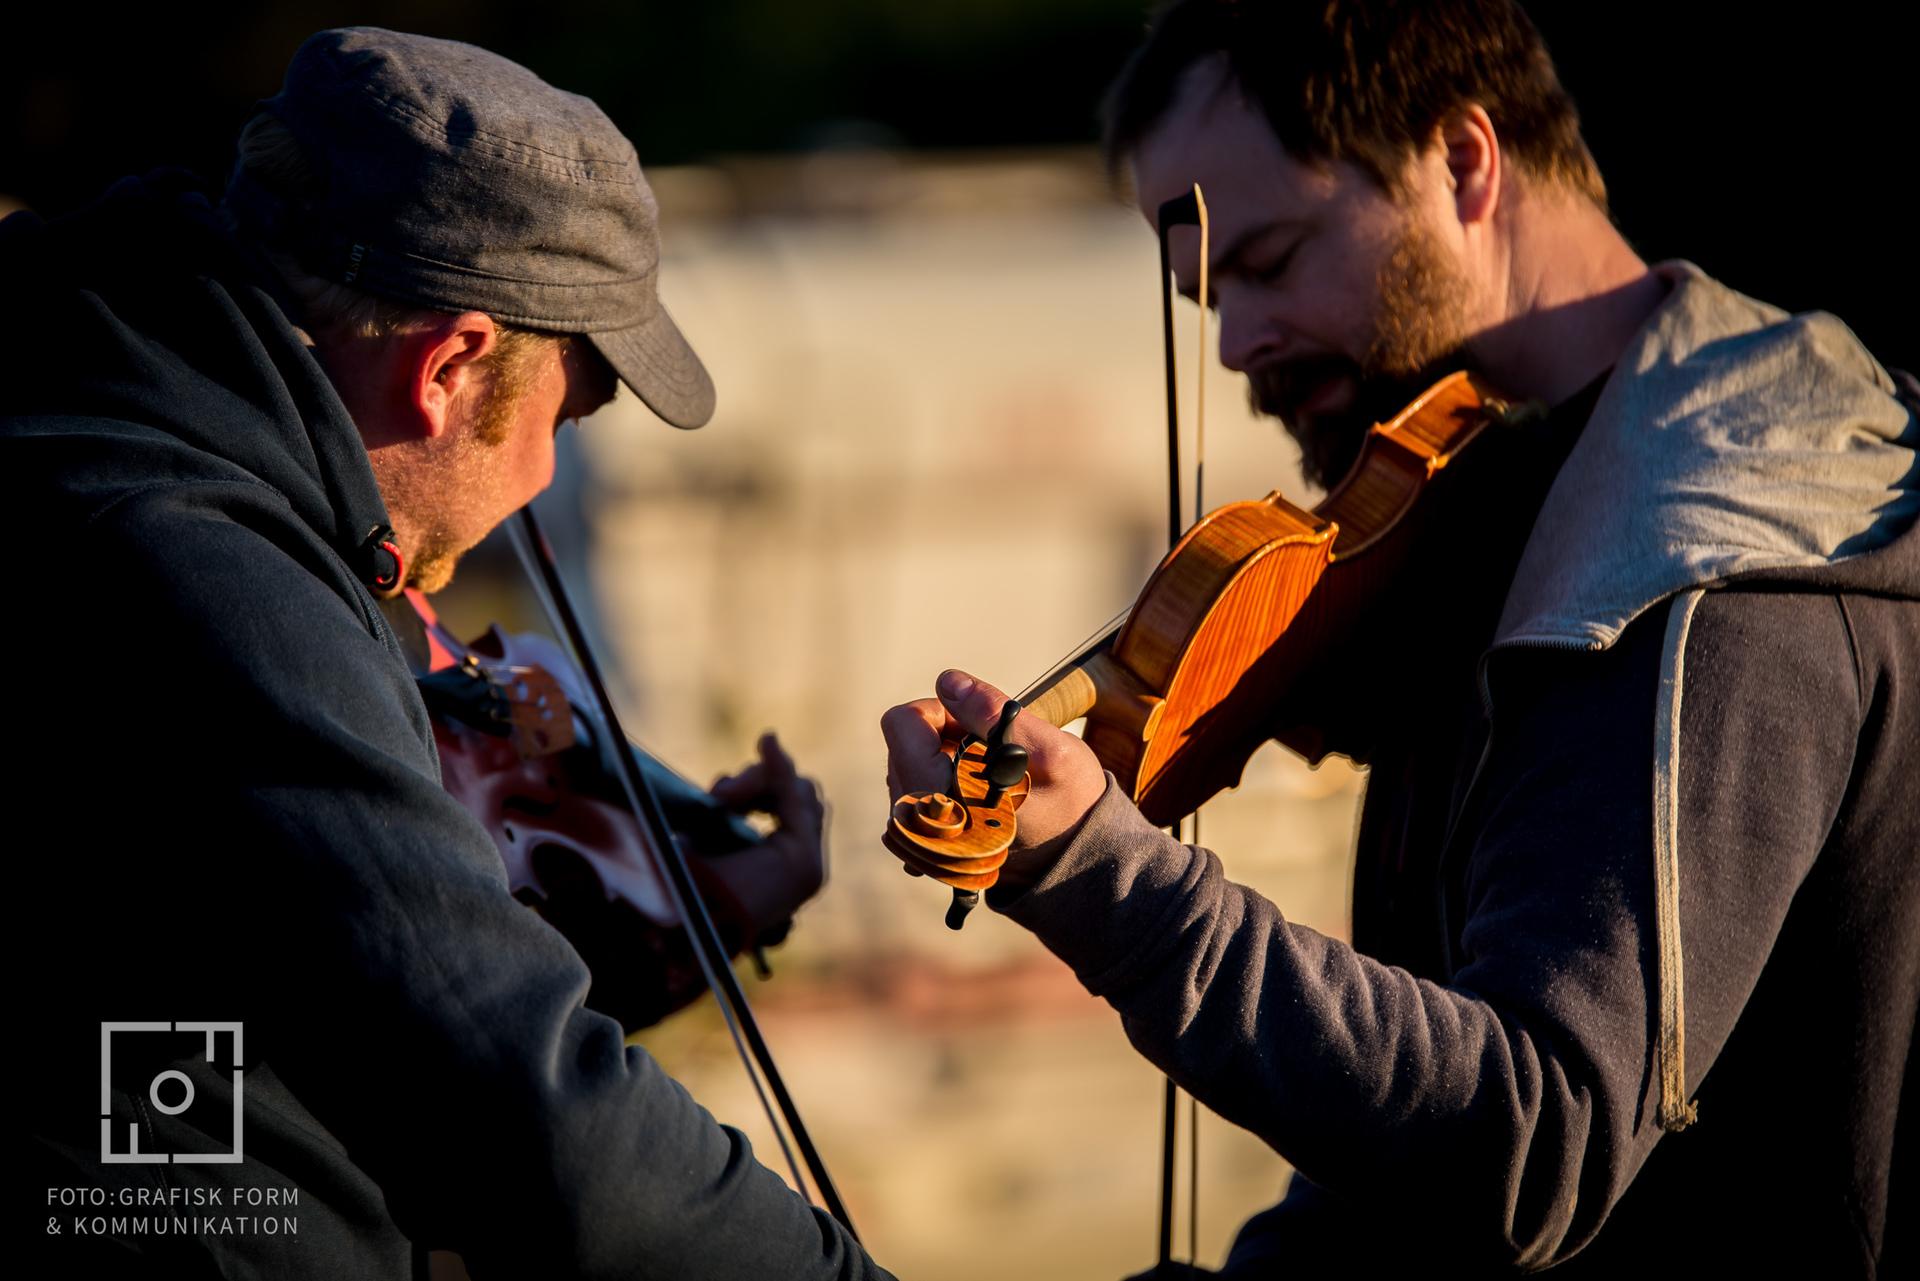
x=228 y=432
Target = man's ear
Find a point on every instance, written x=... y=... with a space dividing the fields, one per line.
x=441 y=369
x=1474 y=163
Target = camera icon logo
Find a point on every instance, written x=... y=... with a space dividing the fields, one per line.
x=171 y=1092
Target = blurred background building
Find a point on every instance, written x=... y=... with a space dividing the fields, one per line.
x=935 y=336
x=872 y=505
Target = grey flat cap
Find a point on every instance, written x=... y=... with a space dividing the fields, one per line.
x=454 y=179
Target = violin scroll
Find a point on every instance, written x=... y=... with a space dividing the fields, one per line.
x=960 y=837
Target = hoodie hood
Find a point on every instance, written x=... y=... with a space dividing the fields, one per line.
x=144 y=339
x=1732 y=440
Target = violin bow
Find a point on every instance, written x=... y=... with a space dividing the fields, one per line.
x=715 y=963
x=1188 y=210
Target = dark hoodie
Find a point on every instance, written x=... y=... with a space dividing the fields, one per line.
x=1636 y=947
x=233 y=812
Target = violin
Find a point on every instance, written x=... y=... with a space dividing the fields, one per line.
x=593 y=831
x=1263 y=621
x=1231 y=639
x=521 y=752
x=1220 y=651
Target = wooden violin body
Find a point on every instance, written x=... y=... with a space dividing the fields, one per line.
x=571 y=803
x=1221 y=649
x=519 y=753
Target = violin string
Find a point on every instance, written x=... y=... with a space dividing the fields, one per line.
x=522 y=538
x=1075 y=654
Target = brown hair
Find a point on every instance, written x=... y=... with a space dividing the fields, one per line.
x=270 y=155
x=1365 y=81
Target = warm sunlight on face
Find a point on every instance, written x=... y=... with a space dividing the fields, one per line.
x=464 y=486
x=1335 y=299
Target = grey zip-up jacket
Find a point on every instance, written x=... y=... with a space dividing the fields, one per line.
x=1637 y=954
x=229 y=808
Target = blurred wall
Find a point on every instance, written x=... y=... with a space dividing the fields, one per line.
x=940 y=442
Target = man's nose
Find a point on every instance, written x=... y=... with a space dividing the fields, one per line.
x=1247 y=338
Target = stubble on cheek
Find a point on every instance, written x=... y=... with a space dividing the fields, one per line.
x=1424 y=302
x=432 y=568
x=1417 y=332
x=467 y=494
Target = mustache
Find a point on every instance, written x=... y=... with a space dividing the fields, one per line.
x=1328 y=447
x=1330 y=444
x=1277 y=389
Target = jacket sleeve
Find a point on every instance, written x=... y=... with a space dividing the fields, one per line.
x=432 y=1023
x=1512 y=1103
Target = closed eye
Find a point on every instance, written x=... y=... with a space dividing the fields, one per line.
x=1272 y=271
x=1241 y=262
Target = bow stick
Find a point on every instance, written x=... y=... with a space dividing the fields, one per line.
x=715 y=963
x=1189 y=210
x=960 y=836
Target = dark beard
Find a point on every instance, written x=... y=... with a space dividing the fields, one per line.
x=1419 y=332
x=1331 y=443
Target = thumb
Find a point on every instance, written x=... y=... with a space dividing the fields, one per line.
x=974 y=704
x=774 y=759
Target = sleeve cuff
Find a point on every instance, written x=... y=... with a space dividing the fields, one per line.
x=1114 y=888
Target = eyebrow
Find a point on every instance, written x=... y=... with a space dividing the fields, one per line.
x=1228 y=259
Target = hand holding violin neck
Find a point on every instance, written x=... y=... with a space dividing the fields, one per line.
x=959 y=826
x=960 y=836
x=1212 y=661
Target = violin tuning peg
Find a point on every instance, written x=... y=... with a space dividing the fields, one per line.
x=964 y=901
x=1002 y=770
x=1005 y=763
x=997 y=736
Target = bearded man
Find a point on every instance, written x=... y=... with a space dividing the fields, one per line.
x=1633 y=977
x=231 y=430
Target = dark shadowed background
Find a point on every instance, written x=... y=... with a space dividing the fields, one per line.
x=1775 y=148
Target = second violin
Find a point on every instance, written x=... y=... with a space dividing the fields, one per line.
x=1211 y=660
